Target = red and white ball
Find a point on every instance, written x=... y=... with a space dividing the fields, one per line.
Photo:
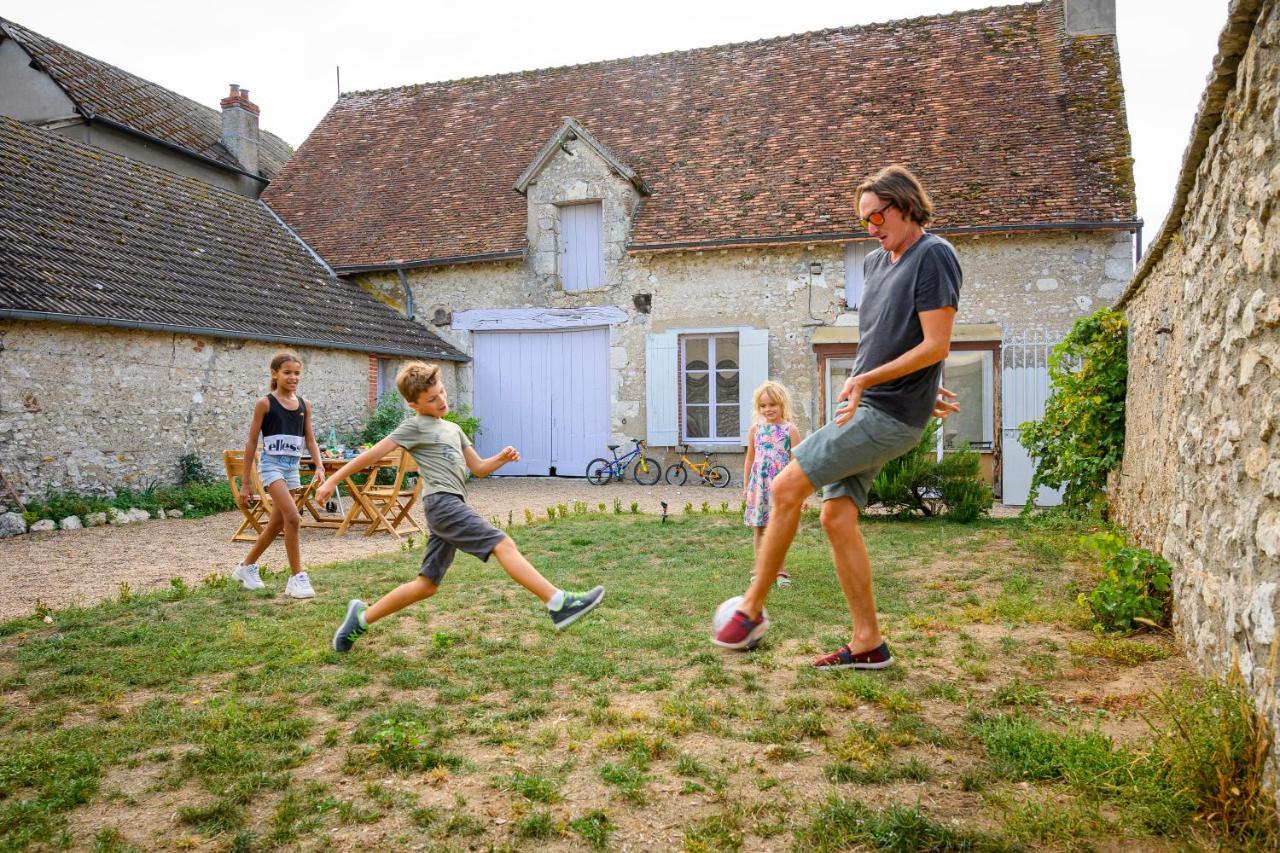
x=725 y=612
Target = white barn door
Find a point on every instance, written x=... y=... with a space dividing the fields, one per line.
x=1025 y=388
x=546 y=394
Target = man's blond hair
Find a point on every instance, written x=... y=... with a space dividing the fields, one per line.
x=416 y=377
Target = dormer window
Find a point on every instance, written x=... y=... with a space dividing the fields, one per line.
x=581 y=249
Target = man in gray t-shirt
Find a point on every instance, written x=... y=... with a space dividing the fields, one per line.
x=909 y=305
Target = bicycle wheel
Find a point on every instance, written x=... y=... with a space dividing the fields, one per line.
x=677 y=474
x=599 y=471
x=646 y=471
x=718 y=476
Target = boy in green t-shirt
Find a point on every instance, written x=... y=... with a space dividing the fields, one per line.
x=444 y=456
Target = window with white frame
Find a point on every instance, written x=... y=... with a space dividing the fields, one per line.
x=581 y=250
x=854 y=254
x=838 y=372
x=711 y=383
x=699 y=382
x=968 y=373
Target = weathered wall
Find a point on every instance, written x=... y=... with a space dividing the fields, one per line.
x=88 y=409
x=27 y=94
x=1200 y=480
x=1039 y=282
x=142 y=150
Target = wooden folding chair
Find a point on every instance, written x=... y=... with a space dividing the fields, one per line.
x=259 y=509
x=363 y=511
x=256 y=513
x=394 y=502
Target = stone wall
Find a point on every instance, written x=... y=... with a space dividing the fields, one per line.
x=1200 y=480
x=90 y=409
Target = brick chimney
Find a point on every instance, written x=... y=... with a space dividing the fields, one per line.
x=1090 y=17
x=240 y=128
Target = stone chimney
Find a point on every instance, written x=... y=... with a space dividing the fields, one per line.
x=1090 y=17
x=240 y=128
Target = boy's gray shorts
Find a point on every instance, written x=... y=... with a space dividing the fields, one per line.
x=843 y=461
x=454 y=526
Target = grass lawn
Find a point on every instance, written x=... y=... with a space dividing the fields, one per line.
x=212 y=718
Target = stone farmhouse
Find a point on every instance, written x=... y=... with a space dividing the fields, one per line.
x=143 y=285
x=628 y=248
x=1200 y=479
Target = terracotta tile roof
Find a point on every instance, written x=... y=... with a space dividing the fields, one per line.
x=101 y=89
x=89 y=236
x=1006 y=119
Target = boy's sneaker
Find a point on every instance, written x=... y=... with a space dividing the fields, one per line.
x=573 y=607
x=345 y=637
x=784 y=579
x=299 y=586
x=741 y=631
x=248 y=575
x=843 y=658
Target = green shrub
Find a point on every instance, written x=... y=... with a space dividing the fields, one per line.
x=462 y=417
x=59 y=505
x=385 y=417
x=917 y=482
x=205 y=499
x=391 y=411
x=192 y=470
x=194 y=499
x=1080 y=439
x=1134 y=590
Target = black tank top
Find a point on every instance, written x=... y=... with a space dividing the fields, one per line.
x=284 y=432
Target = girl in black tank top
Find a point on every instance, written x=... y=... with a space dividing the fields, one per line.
x=287 y=436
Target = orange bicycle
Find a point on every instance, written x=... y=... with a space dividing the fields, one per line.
x=708 y=474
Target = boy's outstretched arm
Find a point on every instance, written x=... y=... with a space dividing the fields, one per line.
x=373 y=454
x=484 y=467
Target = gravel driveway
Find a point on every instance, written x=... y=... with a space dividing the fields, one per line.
x=60 y=568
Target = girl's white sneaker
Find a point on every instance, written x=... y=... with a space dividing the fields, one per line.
x=299 y=586
x=248 y=575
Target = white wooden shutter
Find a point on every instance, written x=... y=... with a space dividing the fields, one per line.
x=753 y=358
x=855 y=255
x=661 y=376
x=581 y=254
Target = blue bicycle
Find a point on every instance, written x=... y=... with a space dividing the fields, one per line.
x=645 y=471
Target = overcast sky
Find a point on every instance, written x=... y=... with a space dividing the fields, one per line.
x=285 y=52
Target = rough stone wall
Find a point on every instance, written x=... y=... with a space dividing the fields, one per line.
x=1040 y=282
x=90 y=409
x=1200 y=480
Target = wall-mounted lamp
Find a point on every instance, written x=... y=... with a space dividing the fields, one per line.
x=815 y=268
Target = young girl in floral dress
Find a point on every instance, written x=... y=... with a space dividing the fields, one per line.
x=769 y=446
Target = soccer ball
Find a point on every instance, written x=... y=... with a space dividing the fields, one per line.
x=725 y=612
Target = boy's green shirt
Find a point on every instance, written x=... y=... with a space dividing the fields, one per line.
x=436 y=445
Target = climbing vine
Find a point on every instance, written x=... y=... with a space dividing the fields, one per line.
x=1080 y=439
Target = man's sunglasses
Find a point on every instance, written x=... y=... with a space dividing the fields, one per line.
x=875 y=217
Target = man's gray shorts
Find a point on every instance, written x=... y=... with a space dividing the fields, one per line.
x=454 y=526
x=843 y=461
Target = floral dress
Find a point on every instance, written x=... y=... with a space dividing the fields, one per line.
x=773 y=452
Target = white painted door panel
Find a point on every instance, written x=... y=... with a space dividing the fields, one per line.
x=546 y=394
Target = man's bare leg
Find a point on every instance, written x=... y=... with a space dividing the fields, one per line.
x=787 y=496
x=853 y=568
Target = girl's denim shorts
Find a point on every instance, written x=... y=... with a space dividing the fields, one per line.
x=272 y=467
